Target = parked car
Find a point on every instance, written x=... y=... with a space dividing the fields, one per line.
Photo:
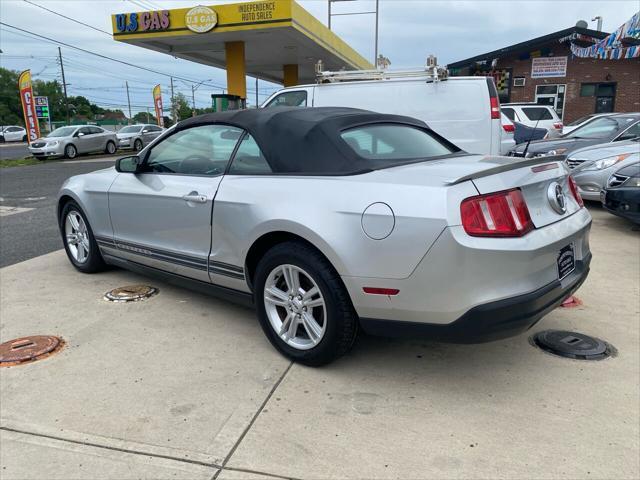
x=570 y=127
x=525 y=134
x=310 y=214
x=535 y=115
x=72 y=141
x=136 y=137
x=507 y=141
x=464 y=110
x=13 y=133
x=614 y=128
x=593 y=166
x=622 y=195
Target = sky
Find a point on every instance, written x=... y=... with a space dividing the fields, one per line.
x=409 y=31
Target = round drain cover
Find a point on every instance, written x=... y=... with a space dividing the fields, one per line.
x=571 y=345
x=27 y=349
x=130 y=293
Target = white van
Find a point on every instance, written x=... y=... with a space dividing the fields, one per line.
x=464 y=110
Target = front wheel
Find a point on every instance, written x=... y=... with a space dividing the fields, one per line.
x=111 y=148
x=70 y=151
x=137 y=145
x=78 y=239
x=302 y=305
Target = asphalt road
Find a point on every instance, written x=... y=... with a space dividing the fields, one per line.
x=13 y=150
x=28 y=207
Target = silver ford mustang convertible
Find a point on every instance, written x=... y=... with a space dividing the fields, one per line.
x=328 y=220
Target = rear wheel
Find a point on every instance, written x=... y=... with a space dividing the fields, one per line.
x=137 y=145
x=70 y=151
x=24 y=138
x=302 y=305
x=111 y=148
x=78 y=239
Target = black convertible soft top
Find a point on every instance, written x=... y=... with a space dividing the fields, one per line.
x=298 y=140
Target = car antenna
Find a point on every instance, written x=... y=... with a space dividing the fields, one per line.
x=524 y=154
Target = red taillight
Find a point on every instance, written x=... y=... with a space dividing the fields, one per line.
x=380 y=291
x=495 y=108
x=509 y=127
x=558 y=125
x=500 y=214
x=575 y=192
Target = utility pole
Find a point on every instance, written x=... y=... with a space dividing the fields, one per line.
x=193 y=99
x=173 y=108
x=148 y=121
x=256 y=92
x=129 y=102
x=375 y=59
x=64 y=85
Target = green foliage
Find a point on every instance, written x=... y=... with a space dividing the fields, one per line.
x=10 y=109
x=141 y=117
x=181 y=106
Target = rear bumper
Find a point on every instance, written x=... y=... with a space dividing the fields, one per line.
x=491 y=321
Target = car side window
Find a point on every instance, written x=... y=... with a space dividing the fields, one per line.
x=96 y=130
x=13 y=129
x=510 y=113
x=85 y=130
x=535 y=114
x=203 y=150
x=289 y=99
x=630 y=133
x=249 y=159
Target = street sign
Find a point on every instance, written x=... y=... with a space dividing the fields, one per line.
x=42 y=107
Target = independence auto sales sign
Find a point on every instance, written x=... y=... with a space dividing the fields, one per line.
x=28 y=106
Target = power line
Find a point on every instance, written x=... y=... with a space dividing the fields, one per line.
x=58 y=42
x=68 y=18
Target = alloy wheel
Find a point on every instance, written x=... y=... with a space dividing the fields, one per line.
x=111 y=148
x=77 y=236
x=295 y=307
x=70 y=151
x=137 y=145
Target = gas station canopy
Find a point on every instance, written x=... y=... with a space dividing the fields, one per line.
x=274 y=40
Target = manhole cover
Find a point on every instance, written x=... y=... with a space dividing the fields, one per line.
x=571 y=302
x=28 y=349
x=572 y=345
x=130 y=293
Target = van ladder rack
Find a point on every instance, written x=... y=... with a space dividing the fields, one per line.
x=431 y=73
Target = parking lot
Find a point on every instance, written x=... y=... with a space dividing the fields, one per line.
x=186 y=386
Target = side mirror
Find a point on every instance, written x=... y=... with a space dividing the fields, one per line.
x=80 y=134
x=130 y=164
x=145 y=131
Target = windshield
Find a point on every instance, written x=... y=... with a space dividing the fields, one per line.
x=62 y=132
x=599 y=128
x=131 y=129
x=580 y=120
x=386 y=145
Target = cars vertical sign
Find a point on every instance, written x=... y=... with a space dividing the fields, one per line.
x=157 y=102
x=28 y=106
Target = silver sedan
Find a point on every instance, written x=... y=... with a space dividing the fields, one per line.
x=328 y=220
x=136 y=137
x=72 y=141
x=593 y=166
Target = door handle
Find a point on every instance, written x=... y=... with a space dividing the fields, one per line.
x=195 y=197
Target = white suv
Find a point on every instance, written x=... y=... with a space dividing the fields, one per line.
x=532 y=115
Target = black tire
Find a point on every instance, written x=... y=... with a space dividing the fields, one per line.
x=2 y=139
x=24 y=138
x=94 y=262
x=342 y=321
x=70 y=151
x=137 y=145
x=110 y=148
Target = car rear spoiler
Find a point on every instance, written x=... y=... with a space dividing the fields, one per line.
x=506 y=164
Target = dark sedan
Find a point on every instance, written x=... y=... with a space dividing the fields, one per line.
x=623 y=126
x=622 y=195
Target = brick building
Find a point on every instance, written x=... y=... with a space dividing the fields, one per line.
x=543 y=70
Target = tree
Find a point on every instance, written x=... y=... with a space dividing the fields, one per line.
x=141 y=117
x=10 y=107
x=181 y=106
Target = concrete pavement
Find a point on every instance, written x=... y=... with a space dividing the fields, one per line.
x=11 y=150
x=186 y=386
